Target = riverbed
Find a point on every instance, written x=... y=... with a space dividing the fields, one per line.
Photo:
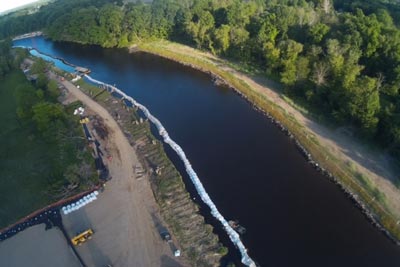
x=254 y=173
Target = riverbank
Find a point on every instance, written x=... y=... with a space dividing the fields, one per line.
x=365 y=175
x=195 y=238
x=123 y=216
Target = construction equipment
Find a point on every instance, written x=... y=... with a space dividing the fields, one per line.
x=84 y=120
x=166 y=236
x=82 y=237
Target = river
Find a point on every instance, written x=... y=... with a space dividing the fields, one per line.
x=253 y=172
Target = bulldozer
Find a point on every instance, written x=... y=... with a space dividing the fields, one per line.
x=82 y=237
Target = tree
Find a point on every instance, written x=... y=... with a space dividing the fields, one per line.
x=41 y=81
x=317 y=32
x=326 y=6
x=351 y=69
x=320 y=73
x=335 y=57
x=222 y=38
x=272 y=55
x=52 y=90
x=239 y=13
x=364 y=103
x=200 y=29
x=239 y=37
x=302 y=68
x=370 y=29
x=110 y=20
x=38 y=67
x=44 y=113
x=26 y=98
x=290 y=51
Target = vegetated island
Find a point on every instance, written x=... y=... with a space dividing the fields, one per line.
x=333 y=58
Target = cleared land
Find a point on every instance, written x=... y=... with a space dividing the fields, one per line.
x=37 y=247
x=124 y=216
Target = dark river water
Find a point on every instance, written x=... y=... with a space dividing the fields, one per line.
x=294 y=216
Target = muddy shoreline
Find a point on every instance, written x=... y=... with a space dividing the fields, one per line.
x=219 y=81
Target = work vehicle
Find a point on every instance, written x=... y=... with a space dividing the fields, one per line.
x=82 y=237
x=166 y=236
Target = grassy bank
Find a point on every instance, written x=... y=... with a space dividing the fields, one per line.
x=346 y=174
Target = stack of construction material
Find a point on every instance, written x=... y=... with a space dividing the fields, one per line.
x=80 y=203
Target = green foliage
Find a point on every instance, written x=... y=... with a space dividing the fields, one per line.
x=32 y=163
x=222 y=38
x=290 y=51
x=345 y=64
x=26 y=97
x=223 y=250
x=52 y=90
x=5 y=58
x=317 y=32
x=38 y=67
x=364 y=103
x=45 y=113
x=200 y=29
x=41 y=81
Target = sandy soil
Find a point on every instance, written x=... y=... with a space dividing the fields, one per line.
x=124 y=217
x=36 y=247
x=375 y=165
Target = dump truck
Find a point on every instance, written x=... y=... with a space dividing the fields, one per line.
x=82 y=237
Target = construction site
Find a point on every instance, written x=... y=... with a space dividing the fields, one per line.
x=140 y=214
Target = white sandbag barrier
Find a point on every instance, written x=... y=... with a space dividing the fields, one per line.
x=233 y=235
x=80 y=203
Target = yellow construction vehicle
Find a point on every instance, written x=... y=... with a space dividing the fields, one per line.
x=82 y=237
x=84 y=120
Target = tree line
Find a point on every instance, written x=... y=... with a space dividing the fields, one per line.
x=341 y=58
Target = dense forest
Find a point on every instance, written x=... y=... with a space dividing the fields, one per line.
x=43 y=153
x=342 y=58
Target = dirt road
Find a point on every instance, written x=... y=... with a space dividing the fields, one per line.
x=123 y=216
